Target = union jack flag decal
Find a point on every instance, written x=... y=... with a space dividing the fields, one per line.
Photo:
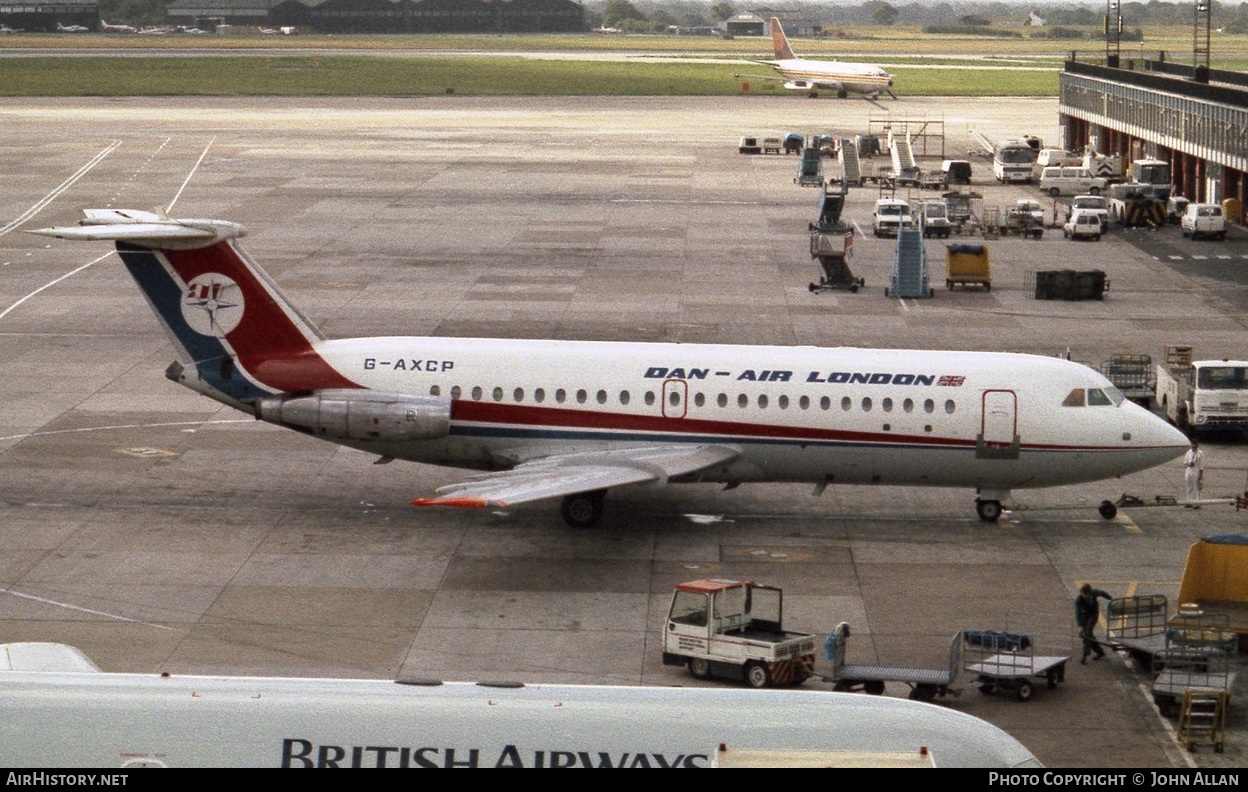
x=951 y=381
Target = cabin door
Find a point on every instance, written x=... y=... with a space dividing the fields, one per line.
x=998 y=436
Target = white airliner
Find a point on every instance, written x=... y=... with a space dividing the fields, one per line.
x=70 y=28
x=800 y=74
x=570 y=419
x=60 y=710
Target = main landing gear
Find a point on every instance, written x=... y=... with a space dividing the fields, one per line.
x=988 y=510
x=583 y=509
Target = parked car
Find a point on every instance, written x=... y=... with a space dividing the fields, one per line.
x=1093 y=204
x=1203 y=220
x=891 y=215
x=1083 y=224
x=1071 y=181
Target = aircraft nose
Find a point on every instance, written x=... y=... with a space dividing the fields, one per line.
x=1168 y=441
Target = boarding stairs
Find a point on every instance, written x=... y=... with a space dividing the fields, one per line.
x=909 y=274
x=850 y=164
x=903 y=156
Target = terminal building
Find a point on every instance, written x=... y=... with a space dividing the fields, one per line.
x=1195 y=118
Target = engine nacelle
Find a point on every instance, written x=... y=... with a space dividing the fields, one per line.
x=363 y=415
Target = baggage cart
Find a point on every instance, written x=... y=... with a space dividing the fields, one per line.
x=925 y=683
x=1137 y=625
x=1009 y=661
x=967 y=265
x=1200 y=656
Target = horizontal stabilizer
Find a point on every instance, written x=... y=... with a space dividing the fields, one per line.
x=44 y=657
x=146 y=229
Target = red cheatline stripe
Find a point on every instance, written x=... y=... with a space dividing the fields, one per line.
x=461 y=503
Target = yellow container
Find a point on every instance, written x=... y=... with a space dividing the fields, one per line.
x=1233 y=209
x=966 y=264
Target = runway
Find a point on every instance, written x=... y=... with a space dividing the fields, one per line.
x=159 y=531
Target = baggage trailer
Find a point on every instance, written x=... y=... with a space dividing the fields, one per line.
x=1008 y=661
x=925 y=683
x=1200 y=656
x=1137 y=625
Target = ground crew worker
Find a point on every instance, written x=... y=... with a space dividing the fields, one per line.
x=1194 y=474
x=1087 y=614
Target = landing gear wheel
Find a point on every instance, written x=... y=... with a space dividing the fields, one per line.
x=1108 y=510
x=757 y=675
x=584 y=509
x=699 y=668
x=988 y=510
x=1023 y=691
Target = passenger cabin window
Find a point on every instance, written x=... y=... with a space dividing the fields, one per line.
x=1074 y=398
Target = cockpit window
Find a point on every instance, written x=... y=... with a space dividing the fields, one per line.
x=1074 y=398
x=1114 y=395
x=1097 y=398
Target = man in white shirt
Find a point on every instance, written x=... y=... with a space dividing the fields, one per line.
x=1194 y=473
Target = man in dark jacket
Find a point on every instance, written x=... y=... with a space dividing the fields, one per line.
x=1087 y=614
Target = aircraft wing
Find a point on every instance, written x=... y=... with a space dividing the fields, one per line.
x=558 y=475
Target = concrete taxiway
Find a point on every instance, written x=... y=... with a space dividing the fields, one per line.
x=158 y=531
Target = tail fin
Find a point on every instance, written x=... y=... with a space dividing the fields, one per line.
x=237 y=337
x=780 y=42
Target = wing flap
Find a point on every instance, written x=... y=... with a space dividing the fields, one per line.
x=570 y=473
x=44 y=657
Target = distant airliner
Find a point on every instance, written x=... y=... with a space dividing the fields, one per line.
x=70 y=28
x=570 y=419
x=810 y=76
x=60 y=710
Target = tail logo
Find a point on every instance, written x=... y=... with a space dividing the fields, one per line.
x=212 y=304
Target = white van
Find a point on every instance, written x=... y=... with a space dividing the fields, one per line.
x=1204 y=220
x=1070 y=181
x=1055 y=157
x=891 y=215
